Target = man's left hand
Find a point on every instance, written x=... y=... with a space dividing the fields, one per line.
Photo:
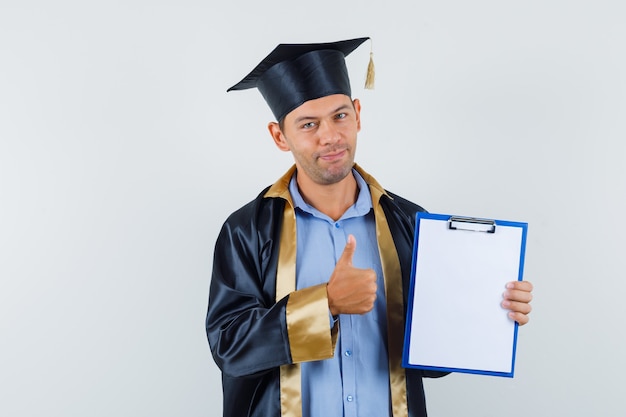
x=517 y=298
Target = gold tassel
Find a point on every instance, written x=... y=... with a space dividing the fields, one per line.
x=371 y=73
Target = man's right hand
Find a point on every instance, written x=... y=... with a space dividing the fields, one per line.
x=351 y=290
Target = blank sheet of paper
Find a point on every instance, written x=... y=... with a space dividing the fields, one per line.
x=455 y=319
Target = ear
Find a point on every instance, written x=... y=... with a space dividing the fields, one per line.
x=277 y=135
x=357 y=109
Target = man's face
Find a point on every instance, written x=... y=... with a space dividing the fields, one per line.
x=321 y=135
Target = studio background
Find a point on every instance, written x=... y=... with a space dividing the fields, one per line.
x=121 y=154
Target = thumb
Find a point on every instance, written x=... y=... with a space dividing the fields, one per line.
x=348 y=251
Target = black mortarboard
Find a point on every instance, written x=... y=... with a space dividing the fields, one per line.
x=294 y=73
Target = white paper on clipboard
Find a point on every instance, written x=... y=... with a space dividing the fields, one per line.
x=455 y=321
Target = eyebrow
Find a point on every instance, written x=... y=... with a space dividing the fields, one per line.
x=337 y=110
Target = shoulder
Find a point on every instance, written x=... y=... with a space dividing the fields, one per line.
x=390 y=201
x=254 y=210
x=403 y=205
x=256 y=217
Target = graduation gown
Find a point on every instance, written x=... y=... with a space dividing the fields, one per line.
x=260 y=328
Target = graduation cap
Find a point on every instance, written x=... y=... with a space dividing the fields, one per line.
x=294 y=73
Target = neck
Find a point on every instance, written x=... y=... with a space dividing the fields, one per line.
x=331 y=199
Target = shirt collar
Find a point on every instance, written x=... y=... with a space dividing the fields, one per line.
x=361 y=207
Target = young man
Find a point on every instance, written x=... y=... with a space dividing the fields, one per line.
x=310 y=279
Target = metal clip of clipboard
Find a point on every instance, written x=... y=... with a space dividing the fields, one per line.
x=472 y=224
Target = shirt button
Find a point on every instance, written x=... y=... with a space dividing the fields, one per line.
x=337 y=225
x=349 y=398
x=348 y=353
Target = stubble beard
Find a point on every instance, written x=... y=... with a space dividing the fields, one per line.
x=336 y=172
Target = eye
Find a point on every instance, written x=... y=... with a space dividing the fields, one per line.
x=308 y=125
x=341 y=116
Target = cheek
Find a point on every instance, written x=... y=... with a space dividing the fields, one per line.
x=351 y=129
x=303 y=144
x=301 y=151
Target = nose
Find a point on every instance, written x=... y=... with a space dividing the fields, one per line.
x=328 y=133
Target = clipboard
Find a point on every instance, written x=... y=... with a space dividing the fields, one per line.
x=454 y=319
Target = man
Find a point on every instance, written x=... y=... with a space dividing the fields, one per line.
x=310 y=279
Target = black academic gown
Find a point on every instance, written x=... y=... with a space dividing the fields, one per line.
x=247 y=327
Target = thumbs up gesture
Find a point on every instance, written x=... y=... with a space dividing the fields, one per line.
x=351 y=290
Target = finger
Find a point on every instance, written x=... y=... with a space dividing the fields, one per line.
x=348 y=251
x=518 y=295
x=520 y=318
x=520 y=285
x=517 y=307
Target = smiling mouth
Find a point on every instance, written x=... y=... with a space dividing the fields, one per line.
x=333 y=155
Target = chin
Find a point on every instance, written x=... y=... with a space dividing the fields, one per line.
x=335 y=176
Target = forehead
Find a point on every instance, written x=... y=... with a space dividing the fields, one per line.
x=320 y=107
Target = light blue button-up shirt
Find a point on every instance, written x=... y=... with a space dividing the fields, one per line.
x=355 y=382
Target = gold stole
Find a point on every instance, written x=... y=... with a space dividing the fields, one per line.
x=290 y=379
x=395 y=304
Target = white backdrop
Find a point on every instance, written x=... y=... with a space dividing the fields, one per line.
x=121 y=155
